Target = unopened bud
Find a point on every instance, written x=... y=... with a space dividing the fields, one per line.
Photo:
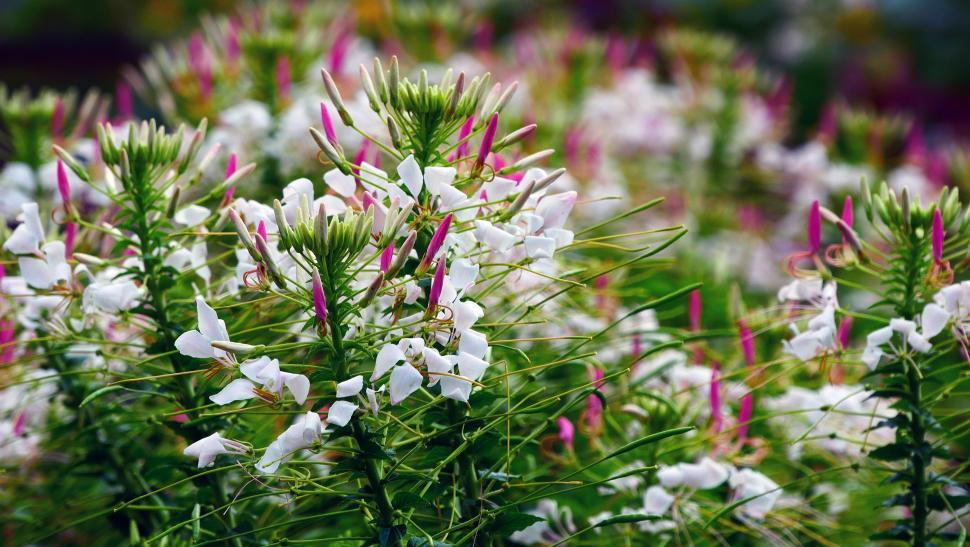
x=243 y=231
x=320 y=230
x=368 y=84
x=267 y=259
x=514 y=137
x=235 y=347
x=330 y=151
x=88 y=260
x=335 y=98
x=173 y=202
x=527 y=161
x=402 y=255
x=520 y=200
x=282 y=226
x=373 y=289
x=547 y=180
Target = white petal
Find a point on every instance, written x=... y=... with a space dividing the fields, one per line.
x=239 y=389
x=36 y=272
x=879 y=337
x=562 y=236
x=436 y=364
x=345 y=185
x=272 y=458
x=705 y=474
x=387 y=357
x=470 y=366
x=405 y=380
x=29 y=235
x=463 y=273
x=340 y=413
x=466 y=314
x=375 y=408
x=540 y=247
x=349 y=388
x=298 y=384
x=871 y=356
x=917 y=342
x=410 y=174
x=556 y=208
x=656 y=501
x=455 y=388
x=262 y=369
x=670 y=476
x=933 y=320
x=191 y=215
x=474 y=343
x=312 y=427
x=904 y=326
x=209 y=323
x=435 y=178
x=194 y=344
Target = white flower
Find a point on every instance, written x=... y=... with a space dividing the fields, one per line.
x=306 y=430
x=656 y=501
x=192 y=215
x=112 y=295
x=44 y=273
x=208 y=448
x=341 y=412
x=704 y=474
x=267 y=372
x=351 y=387
x=819 y=336
x=748 y=483
x=405 y=380
x=198 y=343
x=29 y=235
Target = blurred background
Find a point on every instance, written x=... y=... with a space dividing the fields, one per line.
x=888 y=55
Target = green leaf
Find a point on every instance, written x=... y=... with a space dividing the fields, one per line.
x=98 y=393
x=509 y=523
x=626 y=519
x=891 y=452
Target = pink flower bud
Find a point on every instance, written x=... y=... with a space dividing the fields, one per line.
x=815 y=228
x=319 y=300
x=462 y=149
x=594 y=405
x=938 y=236
x=717 y=415
x=567 y=432
x=57 y=118
x=283 y=79
x=437 y=240
x=747 y=343
x=19 y=424
x=486 y=146
x=744 y=416
x=361 y=156
x=368 y=201
x=338 y=51
x=436 y=284
x=231 y=165
x=123 y=100
x=232 y=41
x=845 y=331
x=261 y=229
x=328 y=124
x=70 y=235
x=387 y=256
x=694 y=310
x=848 y=215
x=63 y=186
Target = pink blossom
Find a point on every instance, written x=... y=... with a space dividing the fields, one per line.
x=57 y=118
x=462 y=150
x=485 y=148
x=261 y=229
x=328 y=124
x=387 y=256
x=437 y=240
x=63 y=186
x=744 y=416
x=567 y=432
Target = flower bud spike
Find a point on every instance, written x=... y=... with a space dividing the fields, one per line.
x=244 y=236
x=814 y=228
x=394 y=132
x=387 y=256
x=485 y=148
x=939 y=234
x=714 y=397
x=335 y=98
x=381 y=81
x=319 y=300
x=402 y=255
x=434 y=294
x=328 y=124
x=437 y=239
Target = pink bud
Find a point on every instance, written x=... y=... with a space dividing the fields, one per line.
x=283 y=79
x=319 y=300
x=231 y=165
x=848 y=215
x=462 y=149
x=845 y=331
x=436 y=284
x=369 y=201
x=694 y=310
x=261 y=230
x=70 y=235
x=594 y=406
x=63 y=186
x=747 y=343
x=18 y=426
x=361 y=156
x=232 y=41
x=123 y=99
x=567 y=432
x=486 y=146
x=338 y=51
x=744 y=416
x=57 y=118
x=435 y=244
x=387 y=256
x=328 y=124
x=815 y=228
x=717 y=415
x=938 y=235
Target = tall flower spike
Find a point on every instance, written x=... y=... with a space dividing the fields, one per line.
x=938 y=235
x=319 y=300
x=437 y=240
x=486 y=146
x=814 y=228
